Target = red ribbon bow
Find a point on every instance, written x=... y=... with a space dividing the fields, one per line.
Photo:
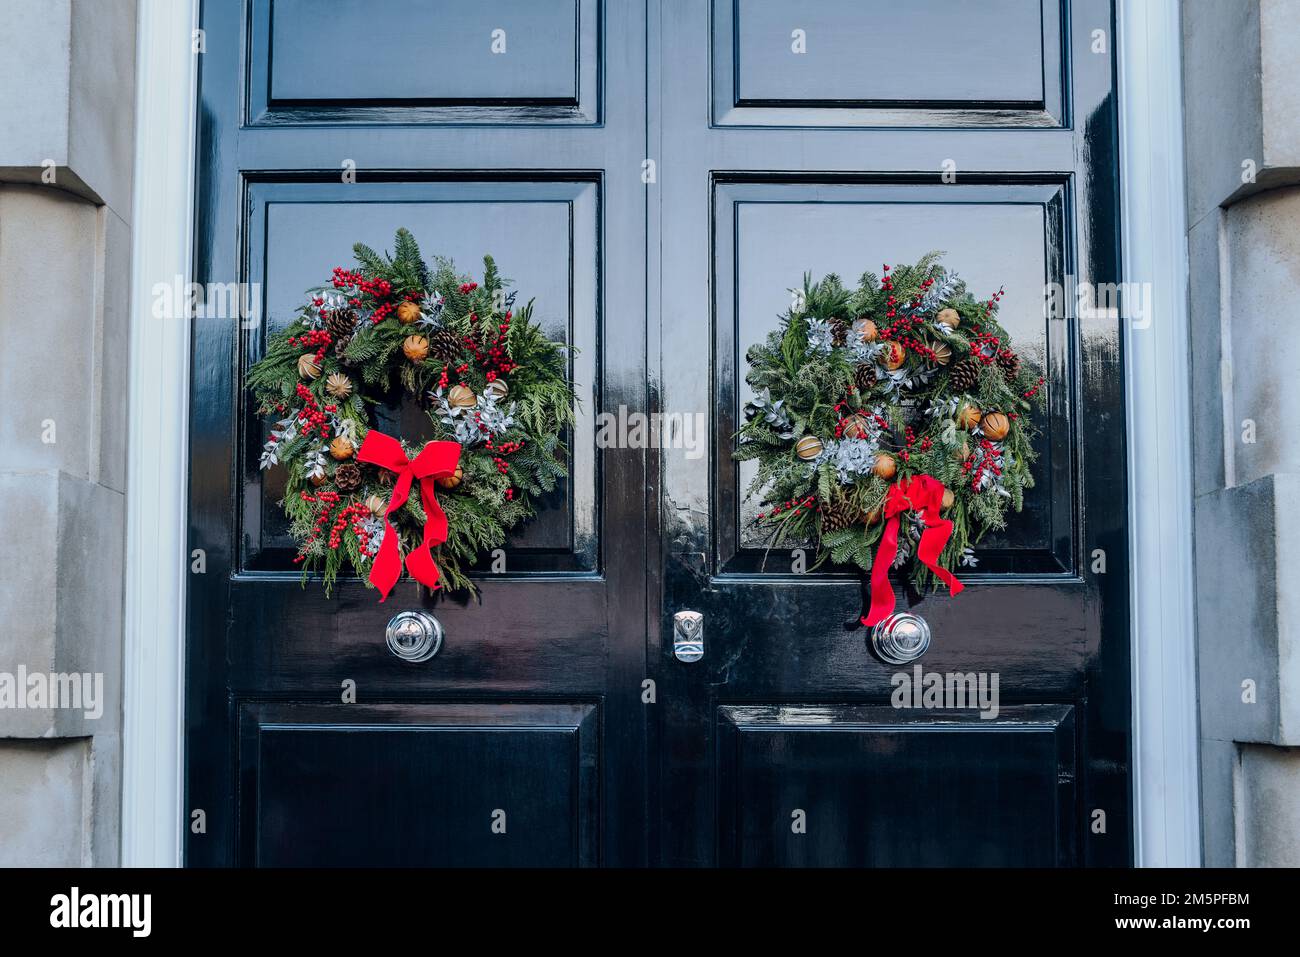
x=436 y=460
x=924 y=494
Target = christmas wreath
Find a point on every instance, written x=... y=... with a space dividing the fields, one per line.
x=498 y=401
x=890 y=425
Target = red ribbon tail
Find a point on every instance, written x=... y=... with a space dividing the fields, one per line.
x=933 y=539
x=436 y=461
x=387 y=566
x=882 y=593
x=420 y=561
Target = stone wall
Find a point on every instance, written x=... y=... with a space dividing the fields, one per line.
x=1242 y=121
x=67 y=95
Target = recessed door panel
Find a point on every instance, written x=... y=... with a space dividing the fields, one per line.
x=542 y=236
x=454 y=61
x=879 y=63
x=419 y=785
x=770 y=234
x=853 y=786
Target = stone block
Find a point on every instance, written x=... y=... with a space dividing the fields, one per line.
x=50 y=260
x=67 y=96
x=1206 y=366
x=1262 y=236
x=1218 y=813
x=1241 y=100
x=45 y=803
x=1222 y=125
x=1248 y=629
x=1268 y=825
x=65 y=598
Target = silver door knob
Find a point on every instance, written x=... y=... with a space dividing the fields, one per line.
x=900 y=638
x=688 y=636
x=414 y=636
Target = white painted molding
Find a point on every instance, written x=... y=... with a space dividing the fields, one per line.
x=153 y=714
x=1166 y=791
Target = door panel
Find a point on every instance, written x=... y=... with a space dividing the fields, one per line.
x=455 y=61
x=502 y=785
x=814 y=162
x=845 y=227
x=853 y=786
x=544 y=234
x=836 y=63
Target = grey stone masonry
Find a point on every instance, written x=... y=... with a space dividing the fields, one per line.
x=1242 y=122
x=67 y=97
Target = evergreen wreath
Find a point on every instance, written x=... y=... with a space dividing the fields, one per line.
x=870 y=401
x=497 y=395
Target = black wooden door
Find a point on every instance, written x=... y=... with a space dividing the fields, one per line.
x=816 y=136
x=512 y=128
x=658 y=178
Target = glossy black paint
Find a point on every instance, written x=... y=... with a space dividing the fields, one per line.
x=825 y=174
x=764 y=166
x=533 y=705
x=420 y=785
x=855 y=786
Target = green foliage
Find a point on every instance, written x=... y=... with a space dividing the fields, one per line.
x=490 y=341
x=816 y=386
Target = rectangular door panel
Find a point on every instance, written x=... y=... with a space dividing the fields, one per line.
x=543 y=237
x=855 y=63
x=855 y=786
x=407 y=785
x=511 y=61
x=770 y=234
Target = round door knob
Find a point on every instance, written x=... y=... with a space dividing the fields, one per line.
x=900 y=638
x=414 y=636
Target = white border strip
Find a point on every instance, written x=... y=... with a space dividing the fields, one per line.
x=153 y=683
x=1166 y=798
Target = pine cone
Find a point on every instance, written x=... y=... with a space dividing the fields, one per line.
x=1009 y=363
x=340 y=346
x=841 y=514
x=865 y=376
x=444 y=345
x=347 y=477
x=839 y=332
x=341 y=322
x=965 y=374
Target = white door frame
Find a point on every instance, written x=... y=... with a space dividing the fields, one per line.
x=153 y=714
x=1164 y=763
x=1164 y=754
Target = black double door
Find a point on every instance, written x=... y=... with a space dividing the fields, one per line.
x=658 y=178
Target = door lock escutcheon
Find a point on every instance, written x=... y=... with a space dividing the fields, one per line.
x=688 y=636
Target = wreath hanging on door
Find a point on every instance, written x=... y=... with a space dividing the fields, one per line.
x=495 y=389
x=890 y=425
